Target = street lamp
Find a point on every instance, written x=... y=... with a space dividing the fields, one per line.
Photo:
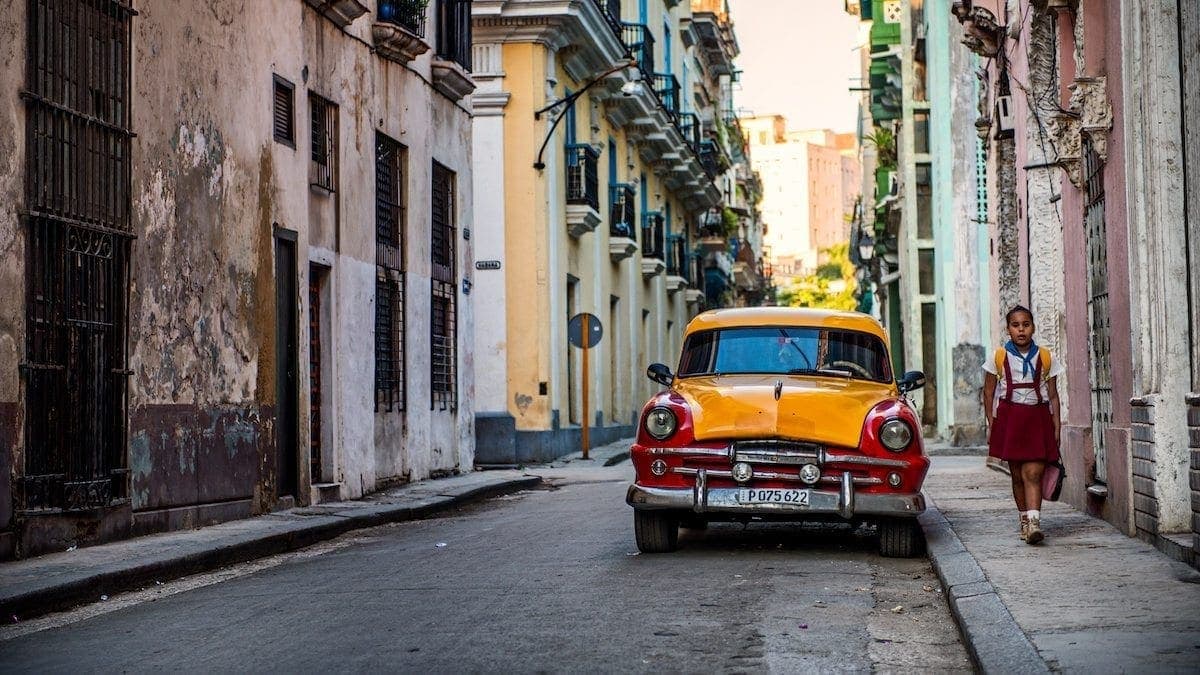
x=866 y=247
x=627 y=89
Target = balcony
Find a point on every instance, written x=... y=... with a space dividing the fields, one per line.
x=653 y=258
x=451 y=69
x=583 y=189
x=611 y=11
x=666 y=87
x=400 y=29
x=689 y=127
x=677 y=263
x=695 y=278
x=341 y=12
x=640 y=42
x=622 y=241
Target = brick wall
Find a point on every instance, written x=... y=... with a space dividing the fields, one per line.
x=1145 y=497
x=1193 y=416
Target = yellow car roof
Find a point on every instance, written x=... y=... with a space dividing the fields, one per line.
x=785 y=316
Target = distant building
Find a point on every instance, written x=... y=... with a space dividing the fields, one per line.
x=810 y=180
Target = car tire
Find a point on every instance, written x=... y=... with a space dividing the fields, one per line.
x=656 y=531
x=899 y=538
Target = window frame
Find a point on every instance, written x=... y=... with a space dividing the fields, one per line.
x=323 y=175
x=280 y=84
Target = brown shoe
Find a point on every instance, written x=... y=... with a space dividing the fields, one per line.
x=1024 y=529
x=1034 y=533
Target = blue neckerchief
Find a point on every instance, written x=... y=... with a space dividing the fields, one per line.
x=1026 y=359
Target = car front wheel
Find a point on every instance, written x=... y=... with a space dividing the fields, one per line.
x=899 y=538
x=656 y=531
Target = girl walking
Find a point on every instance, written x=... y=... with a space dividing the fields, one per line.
x=1020 y=400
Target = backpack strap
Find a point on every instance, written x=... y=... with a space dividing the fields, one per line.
x=1044 y=358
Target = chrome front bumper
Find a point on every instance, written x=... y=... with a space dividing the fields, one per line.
x=845 y=502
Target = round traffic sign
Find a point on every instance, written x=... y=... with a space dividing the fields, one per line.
x=584 y=323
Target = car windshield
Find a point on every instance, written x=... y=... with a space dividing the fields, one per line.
x=781 y=350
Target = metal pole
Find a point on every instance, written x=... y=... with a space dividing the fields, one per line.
x=585 y=329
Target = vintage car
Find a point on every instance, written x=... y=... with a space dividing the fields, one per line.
x=780 y=413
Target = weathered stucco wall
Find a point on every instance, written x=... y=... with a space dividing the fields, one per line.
x=12 y=252
x=210 y=186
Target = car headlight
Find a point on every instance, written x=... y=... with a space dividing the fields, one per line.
x=661 y=423
x=895 y=435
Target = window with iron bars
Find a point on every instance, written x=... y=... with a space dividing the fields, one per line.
x=390 y=203
x=78 y=244
x=323 y=168
x=443 y=310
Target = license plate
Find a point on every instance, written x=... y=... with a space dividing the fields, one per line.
x=773 y=496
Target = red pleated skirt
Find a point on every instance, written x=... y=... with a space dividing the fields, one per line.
x=1023 y=433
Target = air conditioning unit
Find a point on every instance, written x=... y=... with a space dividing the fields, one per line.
x=1005 y=117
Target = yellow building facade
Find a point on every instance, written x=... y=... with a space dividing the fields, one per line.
x=588 y=206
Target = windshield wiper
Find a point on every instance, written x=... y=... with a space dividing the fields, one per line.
x=833 y=372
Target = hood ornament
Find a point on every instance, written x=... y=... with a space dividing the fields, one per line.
x=778 y=389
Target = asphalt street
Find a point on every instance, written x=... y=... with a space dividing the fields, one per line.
x=543 y=580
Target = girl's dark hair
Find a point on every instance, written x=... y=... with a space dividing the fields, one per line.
x=1016 y=309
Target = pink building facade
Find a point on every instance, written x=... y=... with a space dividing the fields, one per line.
x=1083 y=113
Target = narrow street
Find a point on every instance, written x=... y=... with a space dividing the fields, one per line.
x=543 y=580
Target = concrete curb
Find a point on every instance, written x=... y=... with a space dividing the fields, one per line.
x=993 y=638
x=282 y=536
x=617 y=458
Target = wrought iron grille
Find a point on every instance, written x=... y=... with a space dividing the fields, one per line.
x=640 y=42
x=652 y=235
x=443 y=309
x=666 y=87
x=444 y=329
x=408 y=14
x=611 y=11
x=583 y=175
x=454 y=32
x=1099 y=321
x=689 y=126
x=677 y=258
x=390 y=200
x=622 y=213
x=284 y=113
x=708 y=158
x=78 y=242
x=323 y=168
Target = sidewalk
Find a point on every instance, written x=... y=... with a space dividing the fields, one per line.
x=1088 y=599
x=35 y=586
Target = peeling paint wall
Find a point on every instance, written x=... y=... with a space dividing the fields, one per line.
x=12 y=254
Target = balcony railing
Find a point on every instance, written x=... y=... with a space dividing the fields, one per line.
x=666 y=87
x=621 y=212
x=708 y=157
x=689 y=126
x=695 y=272
x=583 y=178
x=408 y=14
x=611 y=11
x=677 y=257
x=652 y=235
x=640 y=42
x=454 y=32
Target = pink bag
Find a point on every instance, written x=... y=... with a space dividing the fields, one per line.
x=1052 y=480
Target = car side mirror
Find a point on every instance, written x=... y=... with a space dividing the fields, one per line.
x=660 y=374
x=913 y=379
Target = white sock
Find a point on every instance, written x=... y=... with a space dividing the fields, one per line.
x=1024 y=515
x=1034 y=514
